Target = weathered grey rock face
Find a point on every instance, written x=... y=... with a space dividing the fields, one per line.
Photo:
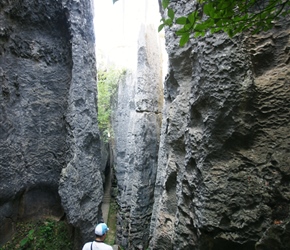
x=276 y=237
x=48 y=114
x=81 y=184
x=137 y=131
x=35 y=71
x=223 y=170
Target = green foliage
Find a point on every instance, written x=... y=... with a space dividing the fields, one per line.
x=45 y=235
x=107 y=91
x=229 y=16
x=28 y=239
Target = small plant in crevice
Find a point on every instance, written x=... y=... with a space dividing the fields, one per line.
x=28 y=239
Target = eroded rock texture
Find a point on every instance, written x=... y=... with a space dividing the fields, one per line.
x=81 y=183
x=48 y=114
x=223 y=170
x=137 y=131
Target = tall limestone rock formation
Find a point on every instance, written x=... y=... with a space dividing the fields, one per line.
x=137 y=120
x=137 y=131
x=49 y=141
x=223 y=176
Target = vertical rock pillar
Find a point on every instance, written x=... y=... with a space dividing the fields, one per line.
x=223 y=167
x=137 y=131
x=35 y=75
x=49 y=138
x=81 y=184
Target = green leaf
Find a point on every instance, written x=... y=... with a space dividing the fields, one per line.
x=197 y=34
x=170 y=13
x=199 y=27
x=165 y=3
x=224 y=5
x=191 y=17
x=229 y=16
x=215 y=30
x=188 y=26
x=168 y=22
x=181 y=20
x=184 y=39
x=161 y=26
x=230 y=33
x=181 y=31
x=208 y=9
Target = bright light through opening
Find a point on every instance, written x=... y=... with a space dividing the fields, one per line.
x=117 y=28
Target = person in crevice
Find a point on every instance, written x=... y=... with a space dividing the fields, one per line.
x=98 y=244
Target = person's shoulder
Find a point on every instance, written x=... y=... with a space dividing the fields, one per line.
x=108 y=247
x=87 y=246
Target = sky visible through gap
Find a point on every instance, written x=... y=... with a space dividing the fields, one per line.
x=117 y=28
